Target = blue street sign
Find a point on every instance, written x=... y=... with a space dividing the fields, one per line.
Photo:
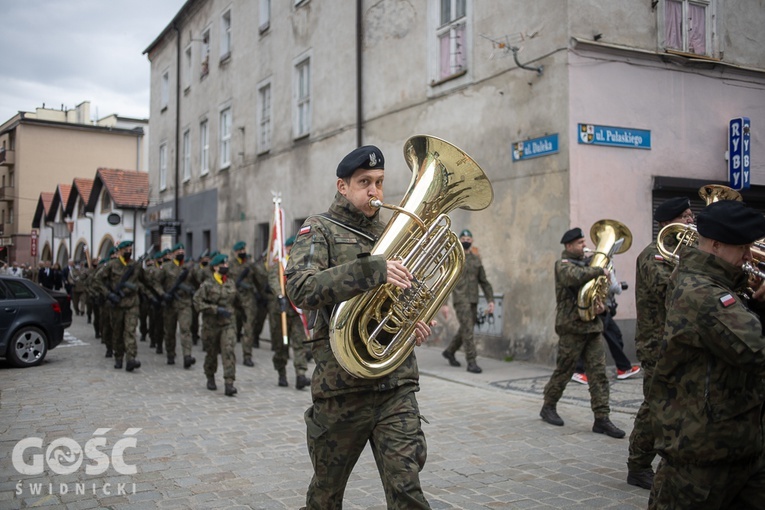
x=739 y=162
x=536 y=147
x=592 y=134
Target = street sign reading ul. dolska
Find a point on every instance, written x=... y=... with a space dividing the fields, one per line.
x=739 y=161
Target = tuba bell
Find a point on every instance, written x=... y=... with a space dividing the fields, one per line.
x=372 y=334
x=605 y=234
x=715 y=192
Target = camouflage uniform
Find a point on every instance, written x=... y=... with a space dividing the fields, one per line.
x=708 y=391
x=177 y=310
x=78 y=288
x=124 y=313
x=577 y=338
x=651 y=279
x=262 y=301
x=295 y=330
x=218 y=335
x=246 y=286
x=199 y=274
x=329 y=264
x=156 y=313
x=465 y=301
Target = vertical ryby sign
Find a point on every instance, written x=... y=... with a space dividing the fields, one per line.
x=739 y=162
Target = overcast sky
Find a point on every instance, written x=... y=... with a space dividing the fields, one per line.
x=69 y=51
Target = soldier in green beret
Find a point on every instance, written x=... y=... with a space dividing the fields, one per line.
x=215 y=299
x=243 y=273
x=651 y=280
x=465 y=301
x=177 y=292
x=707 y=395
x=330 y=263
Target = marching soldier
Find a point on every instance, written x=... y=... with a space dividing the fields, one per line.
x=156 y=314
x=295 y=329
x=578 y=338
x=105 y=307
x=215 y=300
x=707 y=395
x=262 y=299
x=465 y=301
x=178 y=291
x=242 y=272
x=199 y=273
x=122 y=279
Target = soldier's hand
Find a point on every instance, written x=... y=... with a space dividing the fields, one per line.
x=114 y=298
x=422 y=331
x=282 y=304
x=223 y=312
x=398 y=274
x=599 y=307
x=167 y=297
x=490 y=308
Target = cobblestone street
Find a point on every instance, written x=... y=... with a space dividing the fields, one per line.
x=487 y=447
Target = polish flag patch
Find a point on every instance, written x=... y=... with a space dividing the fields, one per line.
x=658 y=258
x=564 y=261
x=305 y=230
x=727 y=300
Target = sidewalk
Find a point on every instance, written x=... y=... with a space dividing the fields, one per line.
x=194 y=448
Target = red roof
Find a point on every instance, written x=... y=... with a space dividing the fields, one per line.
x=64 y=190
x=83 y=187
x=47 y=199
x=128 y=188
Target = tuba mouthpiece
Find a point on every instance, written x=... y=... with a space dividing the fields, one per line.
x=375 y=202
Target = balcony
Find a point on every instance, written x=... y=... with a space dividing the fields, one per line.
x=7 y=193
x=7 y=157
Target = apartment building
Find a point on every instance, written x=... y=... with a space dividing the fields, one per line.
x=49 y=146
x=577 y=110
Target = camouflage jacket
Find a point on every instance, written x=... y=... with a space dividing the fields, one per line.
x=245 y=278
x=171 y=276
x=199 y=274
x=708 y=388
x=473 y=275
x=570 y=274
x=651 y=278
x=111 y=274
x=275 y=286
x=211 y=295
x=330 y=264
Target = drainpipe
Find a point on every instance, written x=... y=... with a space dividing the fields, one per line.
x=359 y=73
x=177 y=119
x=90 y=244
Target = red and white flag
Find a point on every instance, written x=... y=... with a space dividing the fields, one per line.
x=276 y=241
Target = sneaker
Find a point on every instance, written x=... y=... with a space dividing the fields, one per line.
x=626 y=374
x=580 y=378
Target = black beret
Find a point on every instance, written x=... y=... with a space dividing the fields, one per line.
x=730 y=222
x=571 y=235
x=367 y=157
x=671 y=209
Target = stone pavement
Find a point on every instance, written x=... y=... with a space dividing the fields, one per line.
x=193 y=448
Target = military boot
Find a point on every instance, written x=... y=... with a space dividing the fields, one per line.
x=188 y=361
x=550 y=415
x=604 y=426
x=283 y=381
x=132 y=364
x=171 y=360
x=230 y=390
x=109 y=352
x=118 y=363
x=159 y=348
x=248 y=362
x=211 y=383
x=452 y=360
x=474 y=368
x=643 y=478
x=301 y=382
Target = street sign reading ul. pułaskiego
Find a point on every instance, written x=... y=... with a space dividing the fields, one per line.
x=739 y=161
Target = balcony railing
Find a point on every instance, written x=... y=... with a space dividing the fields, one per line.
x=7 y=157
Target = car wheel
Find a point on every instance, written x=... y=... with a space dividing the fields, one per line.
x=28 y=347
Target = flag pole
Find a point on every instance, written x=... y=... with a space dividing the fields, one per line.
x=280 y=258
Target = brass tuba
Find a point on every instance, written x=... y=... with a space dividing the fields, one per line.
x=605 y=234
x=716 y=192
x=372 y=334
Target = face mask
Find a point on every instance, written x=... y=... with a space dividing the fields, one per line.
x=243 y=256
x=180 y=257
x=127 y=255
x=204 y=263
x=223 y=271
x=466 y=245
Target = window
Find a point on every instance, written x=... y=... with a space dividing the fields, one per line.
x=106 y=201
x=165 y=90
x=303 y=98
x=225 y=35
x=452 y=52
x=687 y=26
x=186 y=155
x=19 y=290
x=225 y=138
x=204 y=148
x=264 y=118
x=205 y=53
x=265 y=15
x=80 y=208
x=163 y=166
x=187 y=69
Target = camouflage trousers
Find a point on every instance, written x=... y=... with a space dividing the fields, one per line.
x=297 y=337
x=641 y=451
x=259 y=320
x=735 y=486
x=143 y=315
x=124 y=321
x=337 y=431
x=590 y=347
x=465 y=313
x=219 y=340
x=156 y=326
x=177 y=314
x=246 y=314
x=105 y=323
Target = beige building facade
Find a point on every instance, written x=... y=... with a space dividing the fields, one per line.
x=250 y=97
x=43 y=148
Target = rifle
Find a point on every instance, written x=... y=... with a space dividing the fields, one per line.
x=116 y=294
x=240 y=281
x=170 y=294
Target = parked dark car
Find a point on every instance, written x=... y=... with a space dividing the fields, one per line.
x=32 y=320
